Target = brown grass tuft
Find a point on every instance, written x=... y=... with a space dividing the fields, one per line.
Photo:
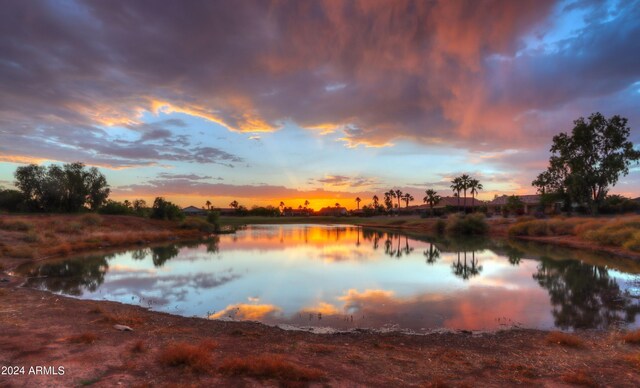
x=84 y=338
x=138 y=347
x=180 y=354
x=269 y=367
x=565 y=339
x=122 y=318
x=632 y=337
x=579 y=378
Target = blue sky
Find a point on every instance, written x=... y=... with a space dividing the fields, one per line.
x=325 y=101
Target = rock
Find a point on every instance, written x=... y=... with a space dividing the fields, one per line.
x=122 y=328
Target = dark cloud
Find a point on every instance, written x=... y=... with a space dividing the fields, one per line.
x=444 y=71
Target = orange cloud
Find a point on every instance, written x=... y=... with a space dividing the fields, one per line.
x=246 y=312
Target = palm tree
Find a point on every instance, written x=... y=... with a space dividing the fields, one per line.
x=208 y=203
x=465 y=180
x=358 y=200
x=398 y=194
x=337 y=205
x=306 y=203
x=407 y=198
x=281 y=207
x=475 y=187
x=388 y=199
x=234 y=204
x=432 y=198
x=456 y=186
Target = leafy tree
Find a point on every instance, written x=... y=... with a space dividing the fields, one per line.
x=514 y=204
x=376 y=201
x=432 y=198
x=234 y=204
x=66 y=188
x=140 y=207
x=11 y=200
x=358 y=200
x=165 y=210
x=115 y=207
x=587 y=162
x=306 y=203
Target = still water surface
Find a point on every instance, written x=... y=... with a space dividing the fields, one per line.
x=348 y=277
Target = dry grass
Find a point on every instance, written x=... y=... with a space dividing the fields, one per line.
x=269 y=367
x=84 y=338
x=138 y=347
x=181 y=354
x=579 y=378
x=21 y=252
x=321 y=348
x=632 y=337
x=121 y=318
x=564 y=339
x=616 y=232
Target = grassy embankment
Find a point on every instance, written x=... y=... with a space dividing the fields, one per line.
x=33 y=237
x=618 y=234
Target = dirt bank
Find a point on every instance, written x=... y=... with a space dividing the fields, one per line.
x=42 y=329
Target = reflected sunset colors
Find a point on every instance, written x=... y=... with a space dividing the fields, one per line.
x=346 y=277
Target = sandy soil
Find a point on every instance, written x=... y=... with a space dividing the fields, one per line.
x=39 y=328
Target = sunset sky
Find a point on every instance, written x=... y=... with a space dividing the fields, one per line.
x=262 y=101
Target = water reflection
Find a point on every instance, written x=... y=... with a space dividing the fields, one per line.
x=346 y=277
x=585 y=296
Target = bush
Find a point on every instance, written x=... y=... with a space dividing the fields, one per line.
x=165 y=210
x=115 y=208
x=11 y=200
x=198 y=224
x=467 y=225
x=441 y=225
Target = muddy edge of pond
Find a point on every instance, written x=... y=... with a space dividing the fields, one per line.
x=39 y=328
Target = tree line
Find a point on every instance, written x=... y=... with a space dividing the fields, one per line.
x=72 y=188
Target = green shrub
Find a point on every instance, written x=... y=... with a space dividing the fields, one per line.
x=199 y=224
x=467 y=225
x=91 y=219
x=115 y=208
x=441 y=226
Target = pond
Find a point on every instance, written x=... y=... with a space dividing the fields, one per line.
x=345 y=277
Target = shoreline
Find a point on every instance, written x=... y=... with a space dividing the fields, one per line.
x=63 y=331
x=44 y=328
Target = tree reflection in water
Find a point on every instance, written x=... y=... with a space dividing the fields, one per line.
x=466 y=269
x=73 y=276
x=432 y=254
x=584 y=296
x=70 y=277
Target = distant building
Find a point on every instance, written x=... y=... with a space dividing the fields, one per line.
x=333 y=211
x=194 y=211
x=451 y=202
